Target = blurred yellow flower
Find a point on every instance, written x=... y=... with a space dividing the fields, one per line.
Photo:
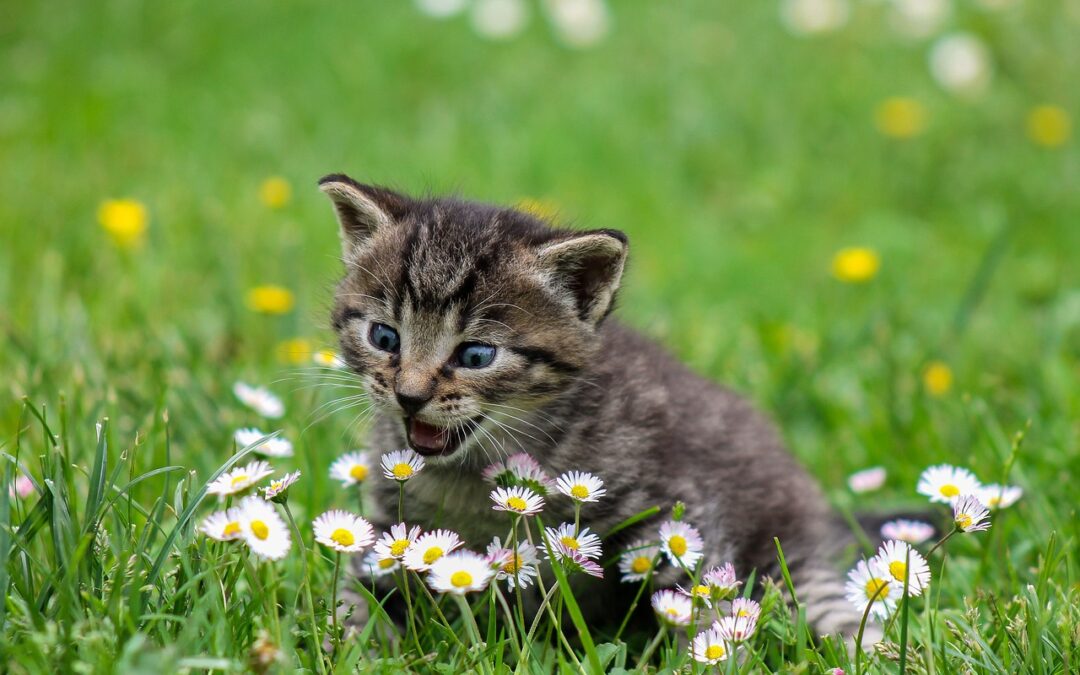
x=900 y=117
x=270 y=299
x=541 y=208
x=125 y=220
x=275 y=192
x=1049 y=125
x=855 y=265
x=295 y=351
x=937 y=378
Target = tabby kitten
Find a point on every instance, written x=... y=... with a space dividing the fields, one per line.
x=480 y=330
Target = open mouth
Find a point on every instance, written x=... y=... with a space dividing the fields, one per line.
x=430 y=440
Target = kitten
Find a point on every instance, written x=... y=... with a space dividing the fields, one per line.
x=479 y=331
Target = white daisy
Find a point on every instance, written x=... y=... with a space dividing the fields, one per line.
x=736 y=628
x=701 y=592
x=222 y=525
x=394 y=544
x=960 y=63
x=271 y=447
x=911 y=531
x=810 y=17
x=376 y=566
x=514 y=568
x=970 y=515
x=584 y=542
x=401 y=465
x=260 y=400
x=867 y=583
x=867 y=480
x=328 y=358
x=709 y=647
x=460 y=573
x=343 y=531
x=898 y=558
x=673 y=608
x=744 y=607
x=999 y=496
x=944 y=483
x=428 y=548
x=637 y=561
x=722 y=580
x=238 y=480
x=351 y=468
x=580 y=486
x=499 y=19
x=681 y=542
x=919 y=18
x=440 y=9
x=573 y=560
x=520 y=500
x=519 y=469
x=263 y=530
x=579 y=23
x=275 y=492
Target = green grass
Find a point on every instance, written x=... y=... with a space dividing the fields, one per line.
x=737 y=157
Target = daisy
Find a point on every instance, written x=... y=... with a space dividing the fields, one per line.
x=722 y=580
x=573 y=561
x=673 y=608
x=961 y=64
x=260 y=400
x=271 y=447
x=701 y=592
x=328 y=358
x=898 y=559
x=351 y=468
x=584 y=542
x=867 y=480
x=275 y=492
x=911 y=531
x=580 y=486
x=943 y=483
x=637 y=561
x=262 y=528
x=222 y=525
x=343 y=531
x=376 y=566
x=736 y=628
x=401 y=465
x=22 y=488
x=238 y=480
x=520 y=500
x=970 y=515
x=681 y=542
x=393 y=544
x=428 y=548
x=515 y=568
x=999 y=496
x=519 y=469
x=745 y=607
x=868 y=584
x=460 y=573
x=709 y=647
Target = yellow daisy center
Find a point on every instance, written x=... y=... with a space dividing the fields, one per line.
x=461 y=579
x=742 y=613
x=402 y=471
x=239 y=480
x=432 y=554
x=343 y=537
x=949 y=490
x=677 y=544
x=358 y=472
x=993 y=501
x=260 y=529
x=641 y=565
x=963 y=521
x=398 y=547
x=579 y=491
x=672 y=612
x=231 y=529
x=276 y=485
x=898 y=569
x=516 y=503
x=701 y=590
x=877 y=588
x=714 y=652
x=386 y=563
x=570 y=543
x=513 y=565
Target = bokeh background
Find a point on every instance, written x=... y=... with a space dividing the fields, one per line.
x=861 y=213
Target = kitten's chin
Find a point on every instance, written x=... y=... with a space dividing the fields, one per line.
x=430 y=440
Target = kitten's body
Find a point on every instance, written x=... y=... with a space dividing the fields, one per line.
x=574 y=390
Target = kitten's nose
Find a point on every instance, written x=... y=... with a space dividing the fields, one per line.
x=413 y=388
x=411 y=403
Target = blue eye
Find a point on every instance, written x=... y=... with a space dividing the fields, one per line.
x=384 y=337
x=475 y=355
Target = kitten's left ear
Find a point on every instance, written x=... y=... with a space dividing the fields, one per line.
x=586 y=266
x=361 y=209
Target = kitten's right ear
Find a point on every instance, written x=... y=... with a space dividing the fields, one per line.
x=361 y=209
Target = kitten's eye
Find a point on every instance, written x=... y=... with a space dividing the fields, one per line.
x=475 y=355
x=384 y=337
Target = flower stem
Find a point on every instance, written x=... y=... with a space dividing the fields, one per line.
x=336 y=638
x=401 y=501
x=647 y=654
x=942 y=542
x=472 y=629
x=305 y=586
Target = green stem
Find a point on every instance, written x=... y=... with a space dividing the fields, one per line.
x=942 y=542
x=637 y=597
x=333 y=602
x=472 y=629
x=305 y=586
x=401 y=502
x=647 y=654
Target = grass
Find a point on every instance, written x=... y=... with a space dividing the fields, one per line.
x=737 y=157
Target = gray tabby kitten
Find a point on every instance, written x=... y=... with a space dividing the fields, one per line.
x=479 y=331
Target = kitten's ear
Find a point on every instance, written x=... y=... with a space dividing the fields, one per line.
x=361 y=209
x=587 y=267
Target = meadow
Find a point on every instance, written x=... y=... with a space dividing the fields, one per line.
x=864 y=220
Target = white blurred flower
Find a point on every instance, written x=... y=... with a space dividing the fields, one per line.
x=673 y=608
x=999 y=496
x=637 y=561
x=440 y=9
x=328 y=358
x=271 y=447
x=499 y=19
x=376 y=566
x=737 y=628
x=867 y=480
x=919 y=18
x=22 y=487
x=809 y=17
x=960 y=63
x=240 y=479
x=351 y=468
x=911 y=531
x=259 y=399
x=579 y=23
x=222 y=525
x=943 y=483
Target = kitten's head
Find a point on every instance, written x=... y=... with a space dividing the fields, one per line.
x=453 y=312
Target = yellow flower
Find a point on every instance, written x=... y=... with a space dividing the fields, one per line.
x=541 y=208
x=900 y=117
x=855 y=265
x=275 y=192
x=125 y=220
x=937 y=378
x=294 y=351
x=1049 y=125
x=270 y=299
